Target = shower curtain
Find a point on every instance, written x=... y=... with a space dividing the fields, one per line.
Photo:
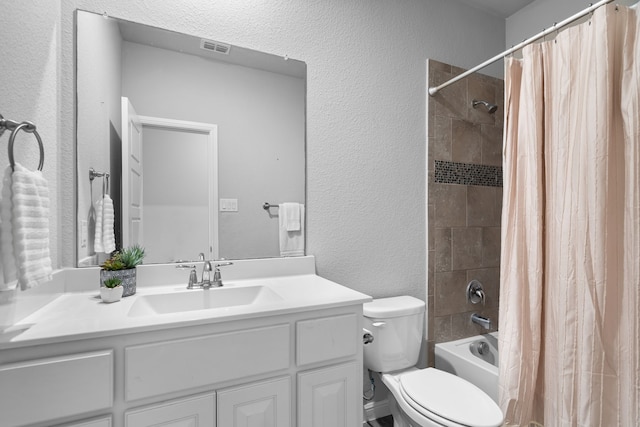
x=570 y=275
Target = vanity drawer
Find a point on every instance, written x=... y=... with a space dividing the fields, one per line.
x=47 y=389
x=172 y=366
x=326 y=338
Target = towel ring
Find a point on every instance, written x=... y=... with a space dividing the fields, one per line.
x=29 y=128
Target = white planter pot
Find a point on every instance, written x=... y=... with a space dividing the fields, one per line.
x=111 y=294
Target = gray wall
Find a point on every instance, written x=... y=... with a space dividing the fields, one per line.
x=365 y=110
x=260 y=119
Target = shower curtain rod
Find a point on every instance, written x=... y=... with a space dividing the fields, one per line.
x=435 y=89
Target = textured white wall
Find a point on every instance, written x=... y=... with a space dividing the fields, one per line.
x=537 y=16
x=365 y=109
x=29 y=49
x=543 y=14
x=365 y=112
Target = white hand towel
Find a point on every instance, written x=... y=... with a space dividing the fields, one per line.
x=104 y=237
x=8 y=272
x=29 y=225
x=291 y=242
x=108 y=233
x=290 y=213
x=98 y=246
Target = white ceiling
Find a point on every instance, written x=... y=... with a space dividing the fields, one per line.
x=501 y=8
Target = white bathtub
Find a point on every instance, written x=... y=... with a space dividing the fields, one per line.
x=475 y=359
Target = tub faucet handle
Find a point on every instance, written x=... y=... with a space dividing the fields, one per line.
x=475 y=292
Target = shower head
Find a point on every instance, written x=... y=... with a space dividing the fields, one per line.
x=491 y=108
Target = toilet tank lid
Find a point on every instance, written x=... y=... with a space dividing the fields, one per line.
x=384 y=308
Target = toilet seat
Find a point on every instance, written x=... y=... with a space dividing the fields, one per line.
x=448 y=399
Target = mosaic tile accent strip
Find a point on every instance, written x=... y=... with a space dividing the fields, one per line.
x=467 y=174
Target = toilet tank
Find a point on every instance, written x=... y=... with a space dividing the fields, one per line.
x=397 y=326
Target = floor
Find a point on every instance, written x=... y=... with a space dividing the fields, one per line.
x=382 y=422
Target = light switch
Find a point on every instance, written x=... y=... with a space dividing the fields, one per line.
x=228 y=205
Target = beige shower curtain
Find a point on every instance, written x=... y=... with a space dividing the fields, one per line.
x=570 y=275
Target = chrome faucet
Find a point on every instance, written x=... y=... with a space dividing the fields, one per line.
x=201 y=258
x=206 y=281
x=206 y=275
x=481 y=320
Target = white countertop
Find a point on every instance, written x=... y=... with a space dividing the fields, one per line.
x=82 y=315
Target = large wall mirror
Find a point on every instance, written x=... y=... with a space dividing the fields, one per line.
x=196 y=135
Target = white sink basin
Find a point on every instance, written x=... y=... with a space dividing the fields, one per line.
x=199 y=299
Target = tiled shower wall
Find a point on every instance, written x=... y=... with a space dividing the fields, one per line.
x=464 y=202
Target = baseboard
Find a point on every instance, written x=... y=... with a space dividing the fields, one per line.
x=375 y=410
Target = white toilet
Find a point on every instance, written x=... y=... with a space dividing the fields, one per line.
x=420 y=397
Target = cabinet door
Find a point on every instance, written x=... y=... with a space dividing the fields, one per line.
x=97 y=422
x=194 y=411
x=263 y=404
x=329 y=397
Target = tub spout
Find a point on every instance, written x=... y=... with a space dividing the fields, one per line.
x=481 y=320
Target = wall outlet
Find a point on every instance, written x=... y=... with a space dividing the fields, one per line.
x=228 y=205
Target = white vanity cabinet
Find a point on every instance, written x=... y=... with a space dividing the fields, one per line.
x=299 y=368
x=329 y=397
x=193 y=411
x=265 y=404
x=55 y=387
x=97 y=422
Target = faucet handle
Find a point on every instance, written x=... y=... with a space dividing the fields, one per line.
x=193 y=279
x=217 y=277
x=193 y=276
x=185 y=266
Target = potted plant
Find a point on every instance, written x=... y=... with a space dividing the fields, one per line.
x=112 y=290
x=122 y=264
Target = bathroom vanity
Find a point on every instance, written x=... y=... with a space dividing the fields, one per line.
x=277 y=350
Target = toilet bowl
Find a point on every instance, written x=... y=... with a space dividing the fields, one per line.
x=419 y=397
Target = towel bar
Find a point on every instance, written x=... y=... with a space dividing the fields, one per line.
x=27 y=127
x=266 y=206
x=6 y=124
x=93 y=174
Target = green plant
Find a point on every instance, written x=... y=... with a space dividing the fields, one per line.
x=112 y=282
x=125 y=258
x=132 y=256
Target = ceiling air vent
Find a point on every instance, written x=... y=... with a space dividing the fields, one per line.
x=215 y=46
